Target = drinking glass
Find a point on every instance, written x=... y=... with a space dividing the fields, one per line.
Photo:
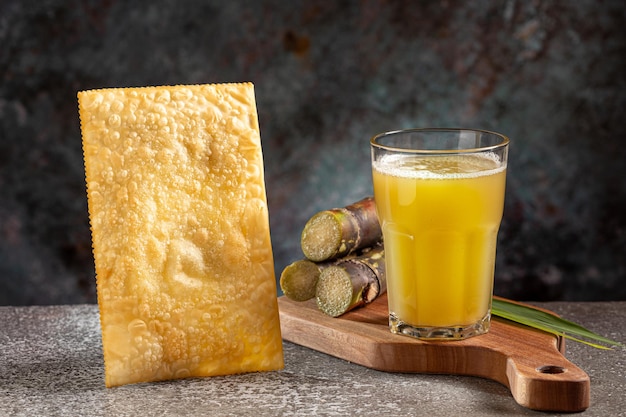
x=439 y=196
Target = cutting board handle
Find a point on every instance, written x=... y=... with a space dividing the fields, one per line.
x=541 y=380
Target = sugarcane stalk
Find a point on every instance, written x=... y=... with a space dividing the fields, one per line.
x=299 y=279
x=338 y=232
x=351 y=283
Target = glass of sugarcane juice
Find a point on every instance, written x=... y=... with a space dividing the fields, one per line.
x=439 y=196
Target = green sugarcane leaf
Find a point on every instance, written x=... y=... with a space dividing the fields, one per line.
x=550 y=323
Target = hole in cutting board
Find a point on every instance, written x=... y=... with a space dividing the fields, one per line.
x=551 y=369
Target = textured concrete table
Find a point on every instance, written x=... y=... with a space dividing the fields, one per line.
x=51 y=365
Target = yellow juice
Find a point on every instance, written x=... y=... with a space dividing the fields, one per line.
x=440 y=217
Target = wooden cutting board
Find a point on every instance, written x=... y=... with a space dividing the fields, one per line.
x=529 y=362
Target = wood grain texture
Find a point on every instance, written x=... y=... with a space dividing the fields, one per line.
x=529 y=362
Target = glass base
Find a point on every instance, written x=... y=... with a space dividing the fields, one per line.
x=397 y=326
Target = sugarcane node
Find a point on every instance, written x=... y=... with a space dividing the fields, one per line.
x=366 y=222
x=374 y=259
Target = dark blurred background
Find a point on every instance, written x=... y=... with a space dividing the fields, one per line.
x=329 y=75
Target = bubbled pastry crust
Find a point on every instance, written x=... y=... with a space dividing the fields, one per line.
x=180 y=229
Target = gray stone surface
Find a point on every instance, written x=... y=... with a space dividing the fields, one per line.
x=328 y=76
x=51 y=365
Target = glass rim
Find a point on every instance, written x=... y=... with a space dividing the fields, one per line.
x=503 y=143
